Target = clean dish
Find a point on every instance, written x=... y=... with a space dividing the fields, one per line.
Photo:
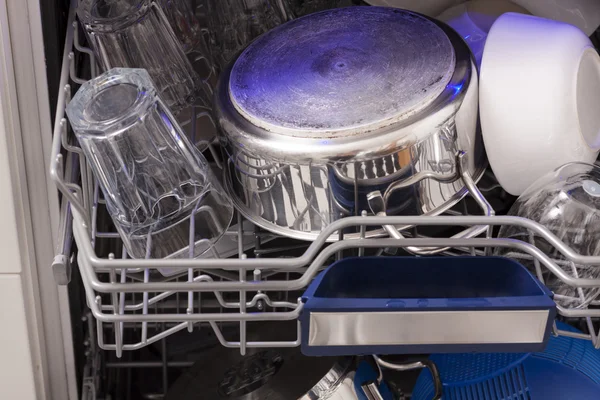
x=158 y=188
x=567 y=202
x=430 y=8
x=473 y=20
x=584 y=14
x=539 y=91
x=312 y=109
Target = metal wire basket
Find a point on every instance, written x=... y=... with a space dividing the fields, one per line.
x=134 y=305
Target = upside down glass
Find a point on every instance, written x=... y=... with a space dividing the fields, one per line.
x=137 y=34
x=233 y=24
x=298 y=8
x=184 y=23
x=158 y=188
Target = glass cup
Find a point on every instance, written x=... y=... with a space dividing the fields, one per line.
x=137 y=34
x=233 y=24
x=158 y=188
x=184 y=23
x=298 y=8
x=567 y=202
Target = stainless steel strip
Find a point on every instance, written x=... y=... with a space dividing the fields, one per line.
x=426 y=327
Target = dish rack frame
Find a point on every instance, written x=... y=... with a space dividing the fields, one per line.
x=125 y=294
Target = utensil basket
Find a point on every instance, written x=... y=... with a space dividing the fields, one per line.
x=422 y=305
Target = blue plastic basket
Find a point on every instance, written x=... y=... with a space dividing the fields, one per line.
x=569 y=369
x=425 y=305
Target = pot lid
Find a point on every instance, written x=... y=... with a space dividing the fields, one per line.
x=342 y=72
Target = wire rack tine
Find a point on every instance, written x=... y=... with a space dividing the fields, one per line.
x=82 y=49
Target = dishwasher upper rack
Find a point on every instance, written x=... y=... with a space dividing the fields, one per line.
x=111 y=284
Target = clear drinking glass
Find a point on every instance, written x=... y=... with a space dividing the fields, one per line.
x=298 y=8
x=158 y=188
x=184 y=23
x=137 y=34
x=233 y=24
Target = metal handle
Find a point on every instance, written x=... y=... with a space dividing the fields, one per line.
x=371 y=390
x=425 y=363
x=377 y=203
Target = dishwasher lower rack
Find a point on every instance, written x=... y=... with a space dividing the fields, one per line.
x=134 y=305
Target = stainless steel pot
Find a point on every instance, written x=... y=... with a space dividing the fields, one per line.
x=323 y=110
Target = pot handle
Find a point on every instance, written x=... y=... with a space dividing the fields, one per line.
x=377 y=204
x=424 y=363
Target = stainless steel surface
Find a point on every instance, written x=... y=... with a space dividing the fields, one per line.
x=377 y=204
x=381 y=134
x=371 y=391
x=295 y=175
x=341 y=73
x=413 y=328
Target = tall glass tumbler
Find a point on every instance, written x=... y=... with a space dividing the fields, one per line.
x=159 y=189
x=137 y=34
x=184 y=23
x=233 y=24
x=299 y=8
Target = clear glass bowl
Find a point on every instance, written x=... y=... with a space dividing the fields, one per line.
x=567 y=202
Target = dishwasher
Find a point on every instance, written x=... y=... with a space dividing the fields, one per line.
x=355 y=242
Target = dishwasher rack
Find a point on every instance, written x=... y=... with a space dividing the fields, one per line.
x=134 y=306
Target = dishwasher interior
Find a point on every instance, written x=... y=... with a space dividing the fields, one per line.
x=144 y=329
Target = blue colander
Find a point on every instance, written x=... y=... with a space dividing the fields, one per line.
x=569 y=369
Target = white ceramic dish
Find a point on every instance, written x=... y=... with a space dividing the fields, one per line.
x=430 y=8
x=539 y=95
x=584 y=14
x=473 y=20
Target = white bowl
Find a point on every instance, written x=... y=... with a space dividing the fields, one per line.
x=584 y=14
x=473 y=20
x=427 y=7
x=539 y=96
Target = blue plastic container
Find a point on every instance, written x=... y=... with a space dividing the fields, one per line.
x=404 y=305
x=569 y=369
